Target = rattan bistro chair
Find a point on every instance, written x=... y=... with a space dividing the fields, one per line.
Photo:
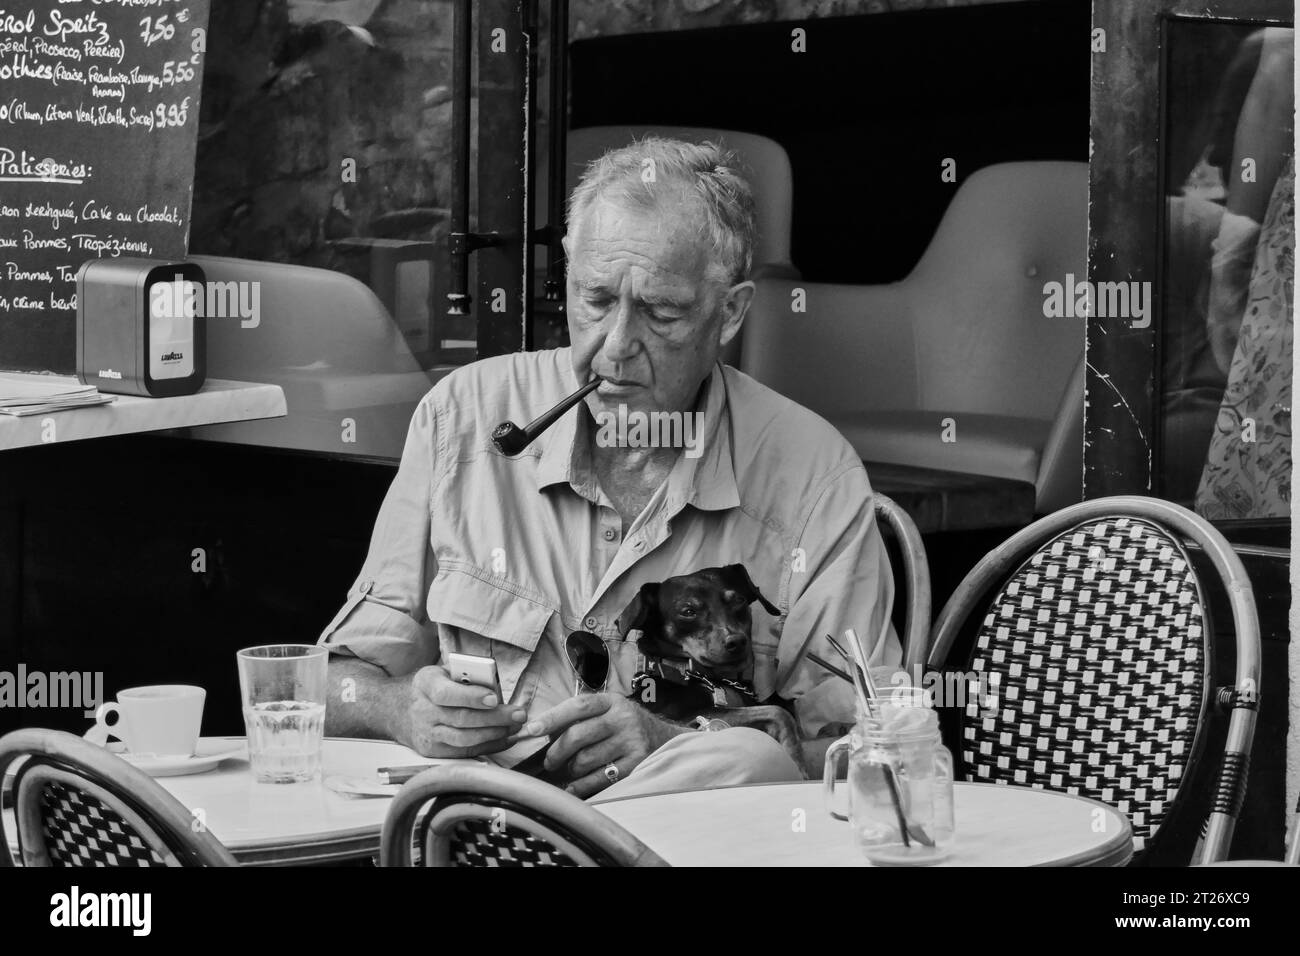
x=1096 y=656
x=916 y=575
x=468 y=815
x=76 y=804
x=1291 y=856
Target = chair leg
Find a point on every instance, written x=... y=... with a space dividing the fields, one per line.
x=1229 y=794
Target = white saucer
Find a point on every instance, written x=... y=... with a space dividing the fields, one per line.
x=210 y=752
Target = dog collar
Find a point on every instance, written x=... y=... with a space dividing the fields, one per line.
x=725 y=692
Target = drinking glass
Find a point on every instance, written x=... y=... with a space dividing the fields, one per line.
x=283 y=687
x=900 y=785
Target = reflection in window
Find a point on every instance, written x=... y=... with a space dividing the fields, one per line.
x=325 y=142
x=1229 y=269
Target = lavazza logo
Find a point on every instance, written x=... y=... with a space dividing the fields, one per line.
x=75 y=909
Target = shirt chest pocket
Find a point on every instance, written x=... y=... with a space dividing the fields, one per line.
x=482 y=616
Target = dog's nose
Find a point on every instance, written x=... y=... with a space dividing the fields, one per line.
x=735 y=642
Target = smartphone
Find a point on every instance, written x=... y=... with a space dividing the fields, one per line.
x=482 y=672
x=472 y=669
x=534 y=766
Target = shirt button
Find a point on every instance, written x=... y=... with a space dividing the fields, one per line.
x=610 y=534
x=590 y=623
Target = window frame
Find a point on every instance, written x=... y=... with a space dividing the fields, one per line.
x=1126 y=241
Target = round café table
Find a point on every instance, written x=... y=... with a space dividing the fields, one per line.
x=786 y=824
x=767 y=825
x=269 y=824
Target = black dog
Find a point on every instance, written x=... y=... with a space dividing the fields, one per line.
x=697 y=657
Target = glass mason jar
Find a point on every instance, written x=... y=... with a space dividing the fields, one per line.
x=900 y=786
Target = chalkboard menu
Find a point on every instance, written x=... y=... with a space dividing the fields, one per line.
x=99 y=107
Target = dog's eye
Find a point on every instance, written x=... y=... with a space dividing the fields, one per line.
x=687 y=612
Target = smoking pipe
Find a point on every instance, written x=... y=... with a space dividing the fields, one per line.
x=510 y=439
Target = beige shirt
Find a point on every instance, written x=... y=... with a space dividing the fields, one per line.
x=477 y=553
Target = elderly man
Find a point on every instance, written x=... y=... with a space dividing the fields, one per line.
x=477 y=553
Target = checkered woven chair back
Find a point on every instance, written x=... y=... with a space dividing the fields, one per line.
x=468 y=814
x=474 y=834
x=480 y=843
x=81 y=830
x=1092 y=663
x=77 y=805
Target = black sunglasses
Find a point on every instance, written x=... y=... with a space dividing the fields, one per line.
x=589 y=659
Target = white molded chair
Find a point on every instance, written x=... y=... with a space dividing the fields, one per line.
x=963 y=336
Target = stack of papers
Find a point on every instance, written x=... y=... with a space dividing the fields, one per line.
x=22 y=394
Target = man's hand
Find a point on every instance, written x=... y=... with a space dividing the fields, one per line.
x=596 y=730
x=443 y=718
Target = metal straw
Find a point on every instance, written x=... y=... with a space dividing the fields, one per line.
x=827 y=665
x=859 y=684
x=891 y=780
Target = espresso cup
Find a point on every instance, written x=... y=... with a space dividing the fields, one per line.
x=162 y=719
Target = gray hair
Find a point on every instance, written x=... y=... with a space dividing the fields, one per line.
x=636 y=174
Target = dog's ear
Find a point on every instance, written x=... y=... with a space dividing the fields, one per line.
x=737 y=577
x=642 y=614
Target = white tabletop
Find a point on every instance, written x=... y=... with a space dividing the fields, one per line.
x=218 y=401
x=766 y=825
x=787 y=825
x=268 y=823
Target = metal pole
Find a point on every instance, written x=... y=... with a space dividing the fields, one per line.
x=504 y=256
x=530 y=17
x=559 y=95
x=458 y=298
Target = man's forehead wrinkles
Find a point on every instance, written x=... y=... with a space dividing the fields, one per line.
x=652 y=289
x=659 y=235
x=600 y=272
x=616 y=255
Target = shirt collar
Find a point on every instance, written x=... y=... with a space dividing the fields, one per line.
x=707 y=482
x=560 y=447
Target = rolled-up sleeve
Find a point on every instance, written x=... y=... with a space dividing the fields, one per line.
x=384 y=620
x=840 y=579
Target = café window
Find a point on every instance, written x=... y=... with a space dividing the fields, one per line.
x=326 y=141
x=1227 y=270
